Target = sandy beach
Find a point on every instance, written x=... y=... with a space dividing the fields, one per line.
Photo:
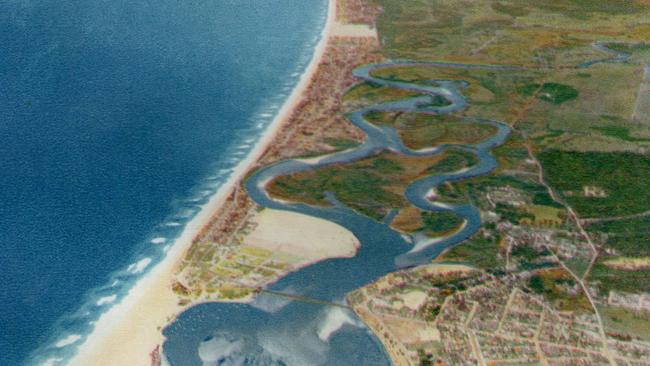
x=130 y=330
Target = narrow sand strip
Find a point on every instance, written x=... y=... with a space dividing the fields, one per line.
x=125 y=334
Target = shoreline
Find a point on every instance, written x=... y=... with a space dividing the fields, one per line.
x=131 y=329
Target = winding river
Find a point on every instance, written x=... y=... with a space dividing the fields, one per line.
x=276 y=331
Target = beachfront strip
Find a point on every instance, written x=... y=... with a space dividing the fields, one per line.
x=559 y=272
x=224 y=263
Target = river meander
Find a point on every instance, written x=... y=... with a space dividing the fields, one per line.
x=276 y=331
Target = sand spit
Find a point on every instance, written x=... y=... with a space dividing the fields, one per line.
x=308 y=237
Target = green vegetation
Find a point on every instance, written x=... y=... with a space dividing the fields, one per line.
x=477 y=251
x=629 y=237
x=340 y=143
x=440 y=223
x=559 y=288
x=619 y=132
x=419 y=131
x=545 y=199
x=504 y=31
x=629 y=47
x=608 y=278
x=367 y=93
x=512 y=214
x=231 y=293
x=545 y=215
x=581 y=9
x=436 y=101
x=453 y=161
x=597 y=120
x=493 y=94
x=550 y=92
x=624 y=322
x=372 y=186
x=510 y=9
x=360 y=189
x=618 y=181
x=529 y=258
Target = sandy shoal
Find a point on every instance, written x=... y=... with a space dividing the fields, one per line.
x=305 y=236
x=130 y=330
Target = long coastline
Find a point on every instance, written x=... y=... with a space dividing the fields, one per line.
x=132 y=328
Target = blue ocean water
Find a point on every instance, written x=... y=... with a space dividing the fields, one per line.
x=117 y=120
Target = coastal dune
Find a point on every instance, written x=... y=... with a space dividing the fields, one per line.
x=131 y=329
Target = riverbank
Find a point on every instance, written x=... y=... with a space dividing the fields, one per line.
x=126 y=333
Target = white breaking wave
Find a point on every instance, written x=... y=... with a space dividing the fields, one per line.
x=51 y=361
x=139 y=266
x=158 y=240
x=106 y=300
x=72 y=338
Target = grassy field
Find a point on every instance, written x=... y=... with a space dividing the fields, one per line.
x=373 y=186
x=478 y=251
x=622 y=178
x=626 y=322
x=433 y=224
x=628 y=238
x=593 y=115
x=492 y=94
x=508 y=31
x=554 y=93
x=419 y=131
x=609 y=278
x=365 y=93
x=440 y=223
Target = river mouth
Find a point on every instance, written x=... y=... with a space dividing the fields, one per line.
x=296 y=332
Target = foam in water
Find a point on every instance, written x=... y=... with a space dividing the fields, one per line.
x=139 y=266
x=106 y=300
x=221 y=350
x=71 y=339
x=158 y=240
x=51 y=361
x=335 y=319
x=272 y=304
